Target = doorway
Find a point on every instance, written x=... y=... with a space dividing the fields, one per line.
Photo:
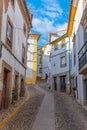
x=16 y=86
x=55 y=83
x=22 y=88
x=63 y=83
x=85 y=89
x=5 y=94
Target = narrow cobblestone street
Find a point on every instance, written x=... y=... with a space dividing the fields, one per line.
x=25 y=117
x=48 y=110
x=43 y=65
x=69 y=114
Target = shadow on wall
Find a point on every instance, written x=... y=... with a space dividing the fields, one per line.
x=31 y=75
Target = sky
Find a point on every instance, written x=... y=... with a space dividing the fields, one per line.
x=49 y=16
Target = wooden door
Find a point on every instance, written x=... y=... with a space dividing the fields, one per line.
x=55 y=83
x=16 y=87
x=4 y=90
x=85 y=88
x=63 y=83
x=22 y=88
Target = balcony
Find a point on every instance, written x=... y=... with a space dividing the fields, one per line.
x=83 y=59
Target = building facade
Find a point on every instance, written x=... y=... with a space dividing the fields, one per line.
x=79 y=53
x=15 y=24
x=60 y=64
x=31 y=71
x=43 y=67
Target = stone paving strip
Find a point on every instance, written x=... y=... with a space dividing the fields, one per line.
x=25 y=117
x=69 y=114
x=45 y=119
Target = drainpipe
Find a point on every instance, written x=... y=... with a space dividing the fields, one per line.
x=69 y=68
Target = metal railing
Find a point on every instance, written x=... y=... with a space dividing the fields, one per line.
x=82 y=56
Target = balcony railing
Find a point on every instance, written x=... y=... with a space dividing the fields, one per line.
x=82 y=56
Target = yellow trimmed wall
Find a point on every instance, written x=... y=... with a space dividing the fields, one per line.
x=34 y=66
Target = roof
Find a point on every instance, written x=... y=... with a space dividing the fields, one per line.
x=73 y=8
x=35 y=35
x=59 y=39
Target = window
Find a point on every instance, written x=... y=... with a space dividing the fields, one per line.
x=74 y=49
x=63 y=44
x=40 y=59
x=63 y=61
x=23 y=54
x=40 y=70
x=24 y=28
x=48 y=52
x=55 y=47
x=13 y=2
x=9 y=34
x=84 y=3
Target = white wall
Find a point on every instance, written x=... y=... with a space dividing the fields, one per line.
x=38 y=63
x=30 y=55
x=55 y=59
x=78 y=30
x=17 y=20
x=46 y=61
x=19 y=38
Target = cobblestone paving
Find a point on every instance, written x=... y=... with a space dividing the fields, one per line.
x=24 y=119
x=69 y=115
x=5 y=112
x=44 y=85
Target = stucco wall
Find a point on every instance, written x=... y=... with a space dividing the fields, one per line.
x=19 y=39
x=78 y=30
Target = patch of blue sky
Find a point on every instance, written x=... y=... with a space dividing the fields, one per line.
x=48 y=16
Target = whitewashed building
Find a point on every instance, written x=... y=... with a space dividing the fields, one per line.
x=60 y=64
x=39 y=65
x=79 y=53
x=15 y=23
x=43 y=67
x=31 y=72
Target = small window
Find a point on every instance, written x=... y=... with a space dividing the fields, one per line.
x=40 y=70
x=48 y=52
x=63 y=61
x=13 y=2
x=9 y=34
x=63 y=44
x=23 y=54
x=24 y=28
x=74 y=49
x=55 y=47
x=40 y=60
